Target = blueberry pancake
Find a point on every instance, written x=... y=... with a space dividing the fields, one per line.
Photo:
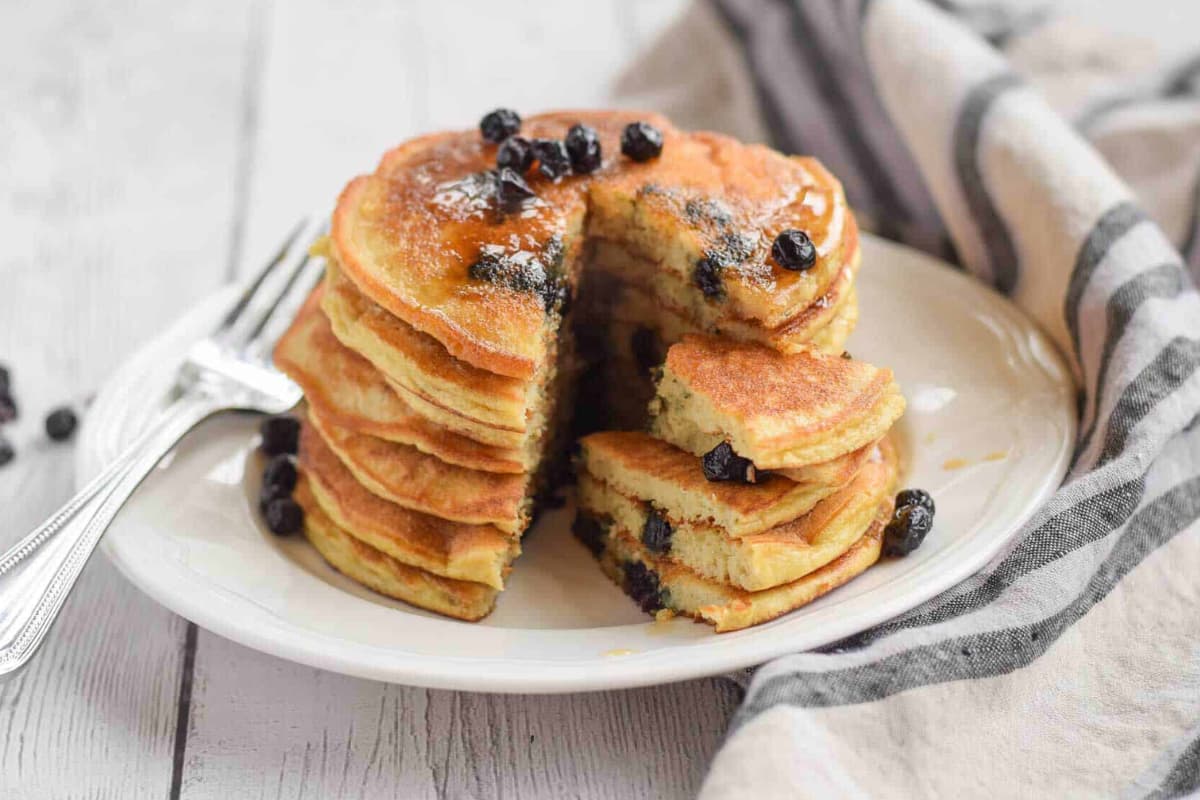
x=780 y=411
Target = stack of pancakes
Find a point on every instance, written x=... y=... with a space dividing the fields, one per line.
x=455 y=338
x=795 y=507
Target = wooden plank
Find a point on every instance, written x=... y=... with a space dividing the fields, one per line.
x=118 y=146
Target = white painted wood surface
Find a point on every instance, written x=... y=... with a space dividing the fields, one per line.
x=148 y=153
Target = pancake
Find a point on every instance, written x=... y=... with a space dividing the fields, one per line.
x=382 y=573
x=780 y=411
x=638 y=465
x=657 y=583
x=348 y=392
x=776 y=556
x=479 y=553
x=409 y=478
x=707 y=198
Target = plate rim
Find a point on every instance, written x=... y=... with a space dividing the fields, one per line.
x=545 y=676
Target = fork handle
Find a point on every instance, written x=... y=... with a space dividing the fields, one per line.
x=38 y=573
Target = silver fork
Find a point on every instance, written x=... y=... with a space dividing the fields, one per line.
x=230 y=370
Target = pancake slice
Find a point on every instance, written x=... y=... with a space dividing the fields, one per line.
x=479 y=553
x=409 y=478
x=656 y=583
x=780 y=411
x=347 y=391
x=380 y=572
x=776 y=556
x=638 y=465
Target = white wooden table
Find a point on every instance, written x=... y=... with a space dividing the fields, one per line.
x=149 y=153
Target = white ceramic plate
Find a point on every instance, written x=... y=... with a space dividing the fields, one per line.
x=988 y=431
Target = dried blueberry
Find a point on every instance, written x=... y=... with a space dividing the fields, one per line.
x=553 y=159
x=583 y=145
x=707 y=276
x=281 y=472
x=656 y=533
x=906 y=530
x=641 y=141
x=511 y=189
x=794 y=250
x=279 y=435
x=498 y=125
x=589 y=531
x=916 y=497
x=61 y=424
x=8 y=408
x=516 y=153
x=722 y=464
x=641 y=583
x=283 y=516
x=7 y=453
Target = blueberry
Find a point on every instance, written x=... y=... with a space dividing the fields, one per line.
x=722 y=464
x=641 y=583
x=284 y=516
x=553 y=159
x=61 y=424
x=707 y=276
x=270 y=492
x=498 y=125
x=589 y=531
x=794 y=250
x=511 y=189
x=7 y=453
x=641 y=141
x=916 y=497
x=906 y=530
x=8 y=408
x=279 y=435
x=583 y=145
x=516 y=153
x=656 y=533
x=281 y=472
x=5 y=380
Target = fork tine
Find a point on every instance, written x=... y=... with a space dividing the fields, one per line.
x=243 y=302
x=255 y=330
x=262 y=340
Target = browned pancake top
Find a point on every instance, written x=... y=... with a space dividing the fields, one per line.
x=408 y=233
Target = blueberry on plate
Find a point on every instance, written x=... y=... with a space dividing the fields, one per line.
x=907 y=529
x=270 y=492
x=516 y=153
x=280 y=434
x=498 y=125
x=280 y=472
x=918 y=497
x=641 y=141
x=583 y=145
x=793 y=250
x=284 y=516
x=61 y=424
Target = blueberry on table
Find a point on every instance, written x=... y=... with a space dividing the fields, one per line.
x=722 y=464
x=284 y=516
x=794 y=250
x=641 y=141
x=511 y=189
x=516 y=153
x=7 y=453
x=917 y=497
x=8 y=408
x=498 y=125
x=907 y=530
x=61 y=424
x=553 y=159
x=280 y=434
x=280 y=472
x=583 y=145
x=5 y=380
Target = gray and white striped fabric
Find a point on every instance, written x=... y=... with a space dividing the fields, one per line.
x=1071 y=665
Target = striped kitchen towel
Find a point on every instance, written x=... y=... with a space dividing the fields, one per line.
x=1070 y=666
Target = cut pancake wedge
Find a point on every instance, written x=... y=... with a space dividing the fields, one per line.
x=479 y=553
x=378 y=571
x=414 y=480
x=347 y=391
